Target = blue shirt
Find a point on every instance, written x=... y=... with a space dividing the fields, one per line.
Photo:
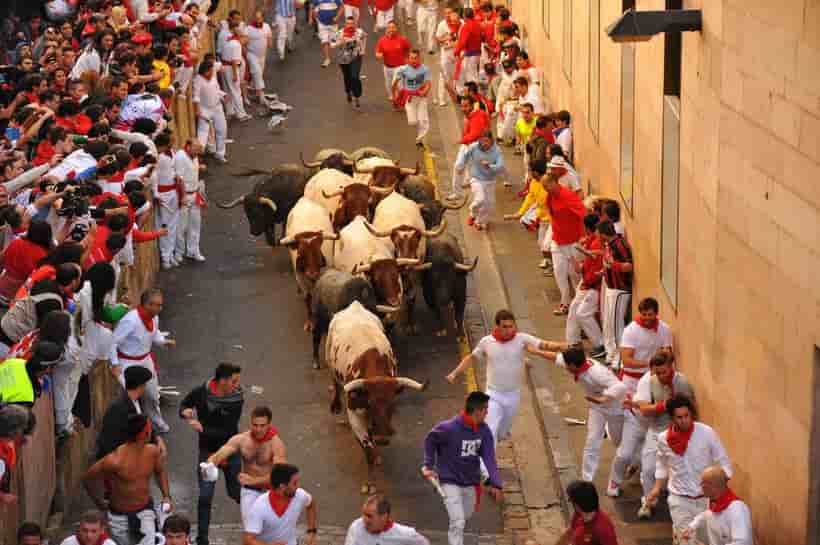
x=473 y=157
x=285 y=8
x=326 y=10
x=412 y=78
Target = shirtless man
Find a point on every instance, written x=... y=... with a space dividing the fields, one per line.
x=260 y=448
x=131 y=515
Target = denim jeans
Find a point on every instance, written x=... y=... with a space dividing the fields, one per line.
x=206 y=493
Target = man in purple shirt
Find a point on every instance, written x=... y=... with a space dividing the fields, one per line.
x=452 y=451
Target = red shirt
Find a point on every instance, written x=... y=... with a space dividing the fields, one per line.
x=395 y=50
x=99 y=251
x=592 y=267
x=46 y=272
x=476 y=124
x=21 y=257
x=469 y=38
x=45 y=151
x=567 y=211
x=384 y=5
x=599 y=531
x=354 y=3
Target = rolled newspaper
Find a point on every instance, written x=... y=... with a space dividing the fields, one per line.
x=433 y=481
x=210 y=472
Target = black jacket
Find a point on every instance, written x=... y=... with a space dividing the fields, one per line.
x=114 y=430
x=218 y=415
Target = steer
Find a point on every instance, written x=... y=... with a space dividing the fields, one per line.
x=272 y=198
x=329 y=158
x=309 y=237
x=445 y=282
x=361 y=253
x=333 y=292
x=365 y=371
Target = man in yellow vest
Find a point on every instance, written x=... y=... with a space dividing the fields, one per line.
x=20 y=379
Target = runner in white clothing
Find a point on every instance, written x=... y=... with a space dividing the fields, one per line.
x=260 y=39
x=274 y=515
x=90 y=532
x=234 y=74
x=728 y=520
x=447 y=36
x=376 y=527
x=504 y=353
x=426 y=15
x=207 y=100
x=167 y=197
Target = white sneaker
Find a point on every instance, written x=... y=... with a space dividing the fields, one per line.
x=613 y=490
x=645 y=512
x=221 y=159
x=544 y=263
x=325 y=63
x=197 y=257
x=442 y=104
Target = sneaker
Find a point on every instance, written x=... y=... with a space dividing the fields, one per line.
x=645 y=512
x=356 y=103
x=442 y=104
x=507 y=183
x=196 y=257
x=544 y=263
x=221 y=159
x=165 y=265
x=598 y=352
x=325 y=63
x=613 y=490
x=548 y=272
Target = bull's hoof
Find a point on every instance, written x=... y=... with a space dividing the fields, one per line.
x=440 y=332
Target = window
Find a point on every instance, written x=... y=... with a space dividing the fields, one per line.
x=566 y=60
x=594 y=94
x=627 y=123
x=670 y=206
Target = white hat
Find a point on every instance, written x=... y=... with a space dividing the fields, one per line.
x=558 y=162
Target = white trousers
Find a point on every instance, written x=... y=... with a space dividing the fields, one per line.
x=448 y=67
x=418 y=116
x=544 y=236
x=246 y=498
x=190 y=223
x=460 y=504
x=389 y=74
x=118 y=524
x=168 y=216
x=683 y=511
x=649 y=454
x=483 y=204
x=384 y=17
x=352 y=11
x=582 y=317
x=502 y=409
x=426 y=19
x=505 y=126
x=234 y=105
x=284 y=34
x=614 y=308
x=599 y=419
x=632 y=438
x=458 y=175
x=216 y=119
x=151 y=395
x=256 y=66
x=563 y=257
x=407 y=7
x=469 y=72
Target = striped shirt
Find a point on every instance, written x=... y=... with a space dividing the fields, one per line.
x=618 y=251
x=285 y=8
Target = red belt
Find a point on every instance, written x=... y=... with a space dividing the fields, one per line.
x=133 y=358
x=165 y=188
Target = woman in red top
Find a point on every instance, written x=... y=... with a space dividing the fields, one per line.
x=67 y=252
x=21 y=258
x=589 y=524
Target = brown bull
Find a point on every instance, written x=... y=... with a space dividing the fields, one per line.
x=355 y=201
x=385 y=276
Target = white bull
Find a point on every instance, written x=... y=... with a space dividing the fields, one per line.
x=363 y=168
x=328 y=181
x=399 y=219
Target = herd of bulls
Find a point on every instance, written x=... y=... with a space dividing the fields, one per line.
x=364 y=235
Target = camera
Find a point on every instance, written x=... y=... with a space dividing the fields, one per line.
x=78 y=232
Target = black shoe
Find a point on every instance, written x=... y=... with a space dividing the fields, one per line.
x=598 y=352
x=349 y=99
x=356 y=103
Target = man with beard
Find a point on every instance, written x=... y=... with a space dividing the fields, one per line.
x=260 y=448
x=213 y=409
x=273 y=517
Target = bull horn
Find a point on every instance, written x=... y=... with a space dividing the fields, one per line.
x=368 y=170
x=375 y=232
x=383 y=191
x=449 y=206
x=387 y=309
x=466 y=268
x=231 y=204
x=409 y=383
x=354 y=385
x=290 y=239
x=410 y=170
x=267 y=202
x=407 y=261
x=437 y=231
x=332 y=195
x=314 y=164
x=348 y=162
x=423 y=267
x=360 y=268
x=330 y=236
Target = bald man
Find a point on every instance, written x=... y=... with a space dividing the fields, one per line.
x=728 y=520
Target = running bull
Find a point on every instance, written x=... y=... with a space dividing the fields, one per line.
x=365 y=379
x=445 y=282
x=330 y=158
x=421 y=190
x=344 y=197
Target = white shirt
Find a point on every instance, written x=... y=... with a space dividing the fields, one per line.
x=684 y=472
x=732 y=526
x=564 y=139
x=505 y=361
x=208 y=95
x=89 y=60
x=643 y=394
x=645 y=342
x=132 y=137
x=188 y=170
x=232 y=51
x=598 y=380
x=72 y=540
x=132 y=338
x=78 y=161
x=268 y=526
x=530 y=73
x=571 y=180
x=398 y=534
x=442 y=31
x=165 y=169
x=533 y=97
x=258 y=39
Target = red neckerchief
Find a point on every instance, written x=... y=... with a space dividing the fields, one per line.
x=581 y=370
x=270 y=434
x=387 y=526
x=8 y=453
x=147 y=321
x=502 y=338
x=679 y=440
x=212 y=387
x=722 y=502
x=117 y=177
x=454 y=27
x=527 y=66
x=415 y=65
x=257 y=24
x=233 y=37
x=102 y=539
x=145 y=433
x=278 y=503
x=469 y=421
x=349 y=32
x=640 y=322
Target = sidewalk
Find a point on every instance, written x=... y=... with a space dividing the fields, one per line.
x=507 y=276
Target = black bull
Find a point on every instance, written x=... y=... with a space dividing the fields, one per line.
x=273 y=196
x=445 y=281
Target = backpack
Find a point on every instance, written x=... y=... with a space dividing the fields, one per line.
x=21 y=317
